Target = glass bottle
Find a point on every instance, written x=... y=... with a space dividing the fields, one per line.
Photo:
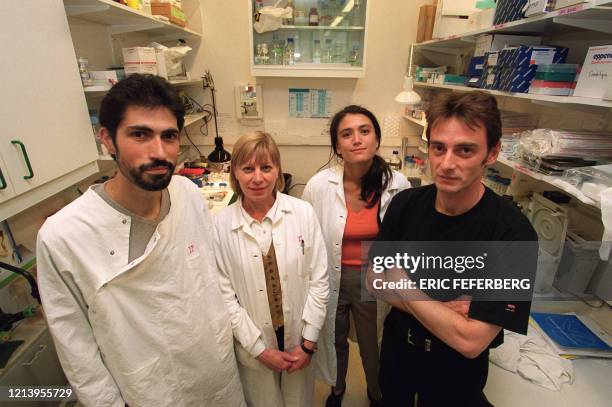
x=289 y=55
x=264 y=53
x=316 y=52
x=277 y=50
x=327 y=52
x=353 y=57
x=258 y=54
x=289 y=20
x=339 y=52
x=313 y=16
x=356 y=14
x=395 y=160
x=85 y=77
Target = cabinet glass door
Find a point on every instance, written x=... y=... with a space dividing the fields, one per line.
x=325 y=34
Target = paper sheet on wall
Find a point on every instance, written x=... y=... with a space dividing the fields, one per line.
x=309 y=103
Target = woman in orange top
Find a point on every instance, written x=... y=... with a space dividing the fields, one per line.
x=350 y=201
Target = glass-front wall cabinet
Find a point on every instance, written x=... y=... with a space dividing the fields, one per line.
x=308 y=38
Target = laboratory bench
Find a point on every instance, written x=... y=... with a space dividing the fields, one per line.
x=592 y=384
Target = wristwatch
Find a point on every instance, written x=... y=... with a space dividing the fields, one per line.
x=306 y=350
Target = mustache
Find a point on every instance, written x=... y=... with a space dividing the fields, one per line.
x=157 y=164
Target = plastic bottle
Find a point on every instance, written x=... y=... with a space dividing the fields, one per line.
x=289 y=55
x=313 y=16
x=316 y=52
x=289 y=19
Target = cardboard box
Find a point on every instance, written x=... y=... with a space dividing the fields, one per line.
x=517 y=79
x=427 y=17
x=451 y=25
x=497 y=42
x=524 y=55
x=509 y=10
x=595 y=79
x=141 y=68
x=537 y=7
x=559 y=4
x=139 y=55
x=170 y=11
x=481 y=19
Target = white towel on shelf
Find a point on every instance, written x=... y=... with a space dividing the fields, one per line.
x=533 y=359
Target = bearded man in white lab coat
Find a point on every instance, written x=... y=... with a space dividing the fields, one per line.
x=126 y=271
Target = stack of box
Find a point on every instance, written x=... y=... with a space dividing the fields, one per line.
x=509 y=10
x=475 y=71
x=427 y=18
x=170 y=10
x=491 y=71
x=139 y=60
x=536 y=7
x=594 y=80
x=554 y=80
x=518 y=65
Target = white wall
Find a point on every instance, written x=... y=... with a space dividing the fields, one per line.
x=225 y=51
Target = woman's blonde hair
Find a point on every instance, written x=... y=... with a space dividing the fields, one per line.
x=261 y=146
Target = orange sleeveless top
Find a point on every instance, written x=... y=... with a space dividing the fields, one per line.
x=360 y=226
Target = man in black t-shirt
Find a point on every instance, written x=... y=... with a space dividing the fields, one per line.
x=439 y=350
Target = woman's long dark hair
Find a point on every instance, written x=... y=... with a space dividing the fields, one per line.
x=378 y=177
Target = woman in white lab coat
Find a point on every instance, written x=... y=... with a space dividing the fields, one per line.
x=350 y=201
x=273 y=277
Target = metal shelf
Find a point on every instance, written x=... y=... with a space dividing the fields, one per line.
x=594 y=16
x=571 y=100
x=321 y=28
x=123 y=19
x=422 y=123
x=309 y=71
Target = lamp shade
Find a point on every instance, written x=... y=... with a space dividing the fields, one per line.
x=408 y=96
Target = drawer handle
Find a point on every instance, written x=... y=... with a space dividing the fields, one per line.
x=41 y=350
x=25 y=156
x=2 y=181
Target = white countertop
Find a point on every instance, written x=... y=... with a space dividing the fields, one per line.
x=592 y=385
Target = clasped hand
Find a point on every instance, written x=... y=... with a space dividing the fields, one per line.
x=291 y=361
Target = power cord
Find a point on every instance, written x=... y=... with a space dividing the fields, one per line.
x=191 y=141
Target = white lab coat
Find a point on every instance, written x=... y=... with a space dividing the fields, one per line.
x=302 y=270
x=325 y=191
x=151 y=332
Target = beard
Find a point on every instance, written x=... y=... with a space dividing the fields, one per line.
x=148 y=182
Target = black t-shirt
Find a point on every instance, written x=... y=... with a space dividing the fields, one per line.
x=412 y=216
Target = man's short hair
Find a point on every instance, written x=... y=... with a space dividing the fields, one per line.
x=147 y=91
x=475 y=109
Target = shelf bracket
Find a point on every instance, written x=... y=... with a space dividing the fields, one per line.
x=76 y=10
x=586 y=24
x=129 y=28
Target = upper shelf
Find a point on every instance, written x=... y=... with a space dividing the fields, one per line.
x=123 y=19
x=321 y=28
x=572 y=100
x=593 y=16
